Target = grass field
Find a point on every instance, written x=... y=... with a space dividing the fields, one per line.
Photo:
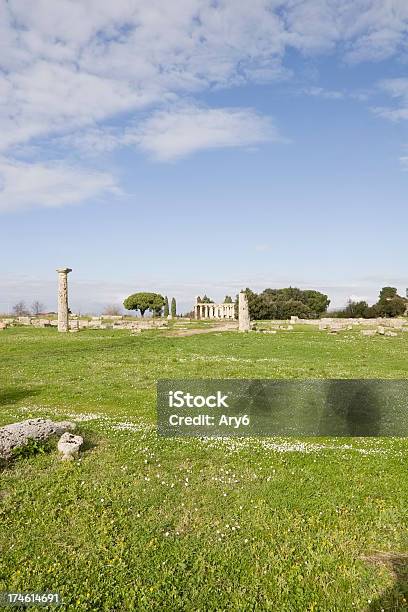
x=147 y=523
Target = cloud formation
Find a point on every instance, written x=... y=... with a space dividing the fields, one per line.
x=171 y=134
x=180 y=130
x=70 y=65
x=397 y=89
x=66 y=64
x=24 y=185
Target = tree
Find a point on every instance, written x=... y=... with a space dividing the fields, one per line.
x=387 y=293
x=355 y=310
x=286 y=302
x=166 y=307
x=144 y=301
x=37 y=307
x=390 y=304
x=317 y=302
x=112 y=310
x=291 y=308
x=393 y=307
x=228 y=299
x=207 y=300
x=173 y=307
x=20 y=309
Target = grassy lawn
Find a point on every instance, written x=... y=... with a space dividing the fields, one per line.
x=147 y=523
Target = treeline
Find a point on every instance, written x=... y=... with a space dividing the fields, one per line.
x=285 y=303
x=389 y=304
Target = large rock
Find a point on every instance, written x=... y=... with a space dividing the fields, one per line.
x=69 y=446
x=17 y=435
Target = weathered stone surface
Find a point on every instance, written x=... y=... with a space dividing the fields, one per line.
x=69 y=446
x=368 y=332
x=243 y=313
x=17 y=435
x=381 y=330
x=24 y=320
x=63 y=321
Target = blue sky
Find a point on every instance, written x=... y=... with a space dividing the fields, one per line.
x=205 y=148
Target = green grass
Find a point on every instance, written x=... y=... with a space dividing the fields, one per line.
x=146 y=523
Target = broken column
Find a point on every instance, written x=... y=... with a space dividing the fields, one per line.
x=63 y=323
x=243 y=313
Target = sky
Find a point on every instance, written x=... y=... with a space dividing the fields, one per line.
x=202 y=146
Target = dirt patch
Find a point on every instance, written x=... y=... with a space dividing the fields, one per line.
x=395 y=598
x=394 y=562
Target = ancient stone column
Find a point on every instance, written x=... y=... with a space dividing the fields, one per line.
x=63 y=323
x=243 y=313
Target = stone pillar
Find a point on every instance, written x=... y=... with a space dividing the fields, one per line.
x=243 y=313
x=63 y=323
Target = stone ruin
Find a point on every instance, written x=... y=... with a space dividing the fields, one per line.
x=203 y=310
x=243 y=313
x=18 y=435
x=224 y=311
x=63 y=317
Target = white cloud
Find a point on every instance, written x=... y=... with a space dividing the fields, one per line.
x=174 y=133
x=377 y=29
x=70 y=65
x=24 y=185
x=178 y=131
x=320 y=92
x=397 y=89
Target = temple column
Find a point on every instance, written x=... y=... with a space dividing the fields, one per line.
x=63 y=322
